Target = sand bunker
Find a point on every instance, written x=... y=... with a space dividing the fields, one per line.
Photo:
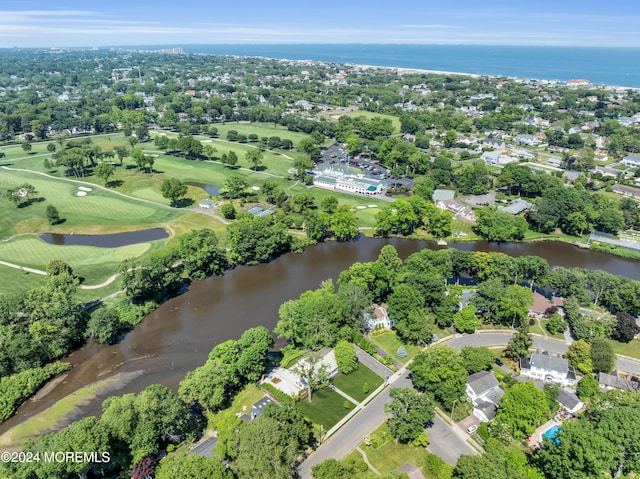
x=81 y=193
x=84 y=188
x=255 y=188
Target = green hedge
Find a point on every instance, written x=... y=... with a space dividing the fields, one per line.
x=279 y=395
x=14 y=390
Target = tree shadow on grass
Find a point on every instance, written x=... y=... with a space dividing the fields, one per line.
x=184 y=202
x=30 y=201
x=115 y=184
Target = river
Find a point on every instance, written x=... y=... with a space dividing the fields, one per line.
x=177 y=337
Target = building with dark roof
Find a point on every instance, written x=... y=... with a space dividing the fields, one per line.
x=570 y=401
x=548 y=367
x=613 y=381
x=483 y=390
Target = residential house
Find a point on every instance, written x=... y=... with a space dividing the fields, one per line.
x=569 y=401
x=483 y=390
x=516 y=207
x=379 y=319
x=497 y=145
x=627 y=191
x=549 y=368
x=457 y=208
x=632 y=161
x=496 y=158
x=526 y=140
x=613 y=381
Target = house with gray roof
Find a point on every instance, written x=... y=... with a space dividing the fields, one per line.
x=632 y=161
x=613 y=381
x=516 y=207
x=483 y=390
x=548 y=367
x=526 y=140
x=569 y=401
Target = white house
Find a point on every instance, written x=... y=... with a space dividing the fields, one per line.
x=631 y=161
x=483 y=390
x=526 y=140
x=379 y=320
x=548 y=367
x=569 y=401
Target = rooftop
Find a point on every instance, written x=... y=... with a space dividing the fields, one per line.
x=482 y=381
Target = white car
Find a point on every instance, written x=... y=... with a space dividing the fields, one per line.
x=472 y=429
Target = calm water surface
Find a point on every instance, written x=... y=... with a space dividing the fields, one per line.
x=177 y=337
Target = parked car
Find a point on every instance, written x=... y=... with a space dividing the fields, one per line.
x=472 y=429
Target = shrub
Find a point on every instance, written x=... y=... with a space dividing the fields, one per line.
x=228 y=211
x=401 y=352
x=365 y=388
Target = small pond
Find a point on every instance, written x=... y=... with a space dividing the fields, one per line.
x=106 y=241
x=212 y=190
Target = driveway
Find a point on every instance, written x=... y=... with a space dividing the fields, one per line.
x=448 y=442
x=373 y=364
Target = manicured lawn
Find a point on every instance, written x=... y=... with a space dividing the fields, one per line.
x=98 y=212
x=241 y=404
x=260 y=129
x=353 y=383
x=326 y=408
x=369 y=115
x=14 y=281
x=631 y=349
x=91 y=263
x=387 y=455
x=390 y=342
x=366 y=216
x=460 y=226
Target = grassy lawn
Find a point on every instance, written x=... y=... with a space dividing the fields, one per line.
x=91 y=263
x=353 y=383
x=390 y=342
x=260 y=129
x=631 y=349
x=15 y=281
x=326 y=408
x=366 y=216
x=98 y=212
x=242 y=403
x=461 y=226
x=387 y=455
x=462 y=410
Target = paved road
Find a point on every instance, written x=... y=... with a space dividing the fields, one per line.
x=445 y=442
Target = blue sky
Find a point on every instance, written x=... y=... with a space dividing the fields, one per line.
x=59 y=23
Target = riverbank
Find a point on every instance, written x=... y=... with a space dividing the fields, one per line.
x=177 y=337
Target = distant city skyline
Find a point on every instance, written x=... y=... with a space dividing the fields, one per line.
x=74 y=23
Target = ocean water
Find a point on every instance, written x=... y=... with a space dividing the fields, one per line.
x=610 y=66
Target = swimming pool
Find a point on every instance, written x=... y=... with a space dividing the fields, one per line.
x=552 y=434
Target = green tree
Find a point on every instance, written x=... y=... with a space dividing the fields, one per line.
x=556 y=324
x=329 y=204
x=104 y=325
x=477 y=358
x=26 y=146
x=173 y=189
x=439 y=370
x=201 y=255
x=122 y=152
x=53 y=216
x=254 y=157
x=343 y=224
x=579 y=356
x=104 y=170
x=519 y=344
x=51 y=147
x=346 y=357
x=522 y=408
x=587 y=387
x=209 y=386
x=235 y=185
x=410 y=411
x=257 y=239
x=626 y=327
x=466 y=320
x=603 y=357
x=313 y=372
x=228 y=211
x=500 y=226
x=191 y=466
